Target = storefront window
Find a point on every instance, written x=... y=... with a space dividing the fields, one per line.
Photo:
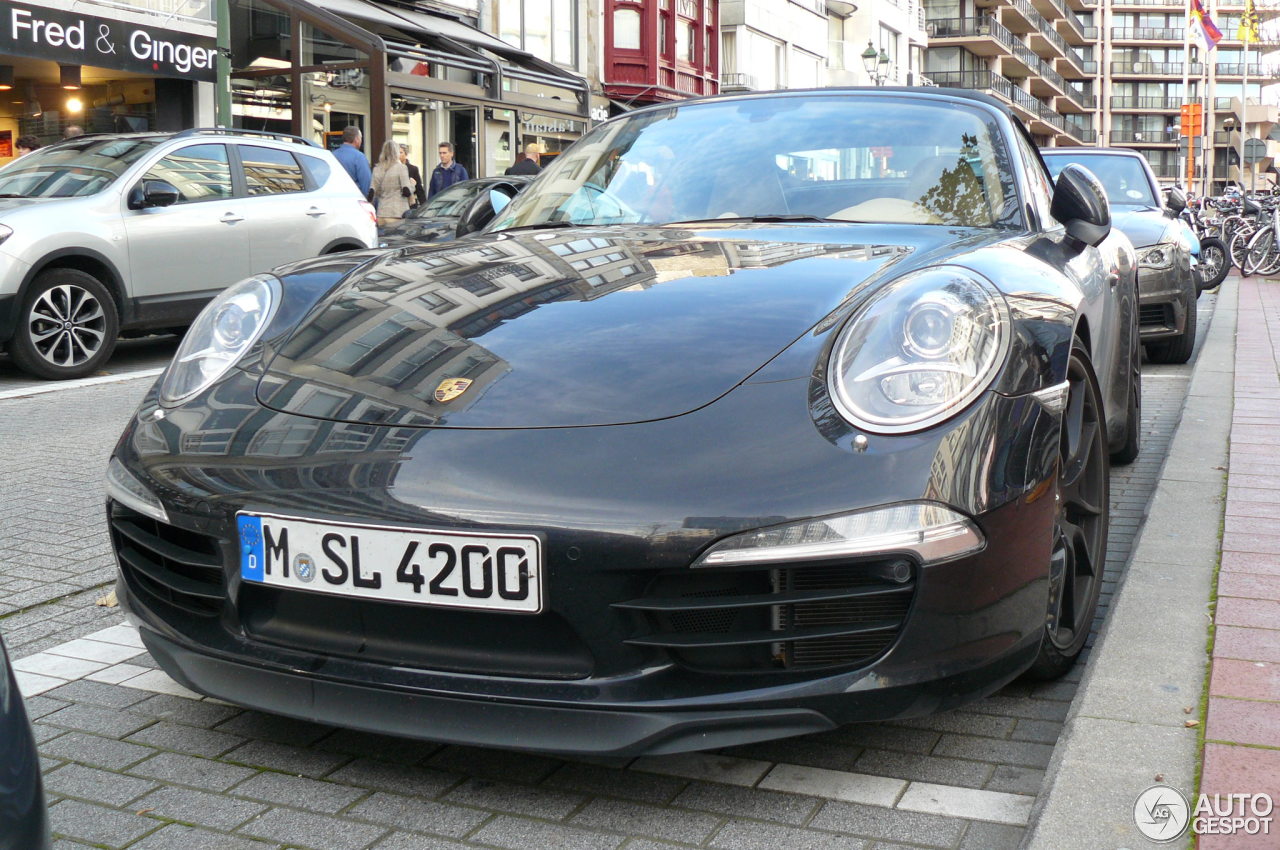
x=335 y=100
x=261 y=37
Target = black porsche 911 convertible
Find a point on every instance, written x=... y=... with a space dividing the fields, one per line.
x=752 y=416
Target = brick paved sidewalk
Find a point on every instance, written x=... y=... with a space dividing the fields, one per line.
x=1242 y=734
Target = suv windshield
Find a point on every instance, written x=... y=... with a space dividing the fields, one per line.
x=68 y=169
x=869 y=158
x=1123 y=177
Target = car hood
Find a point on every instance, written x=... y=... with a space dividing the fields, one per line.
x=1143 y=225
x=11 y=204
x=573 y=327
x=412 y=231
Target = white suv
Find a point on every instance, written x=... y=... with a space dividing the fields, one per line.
x=136 y=232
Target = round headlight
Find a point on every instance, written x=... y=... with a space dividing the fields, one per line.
x=220 y=336
x=919 y=351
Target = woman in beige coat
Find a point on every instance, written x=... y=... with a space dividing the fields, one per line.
x=392 y=187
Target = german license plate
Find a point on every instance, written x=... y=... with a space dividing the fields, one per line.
x=496 y=572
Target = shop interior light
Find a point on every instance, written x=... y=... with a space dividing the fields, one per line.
x=74 y=105
x=6 y=77
x=69 y=77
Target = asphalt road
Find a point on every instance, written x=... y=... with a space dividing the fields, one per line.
x=133 y=761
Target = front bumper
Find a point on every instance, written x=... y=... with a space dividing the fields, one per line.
x=1162 y=299
x=622 y=514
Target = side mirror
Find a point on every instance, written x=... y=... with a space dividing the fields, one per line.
x=1176 y=202
x=485 y=207
x=1080 y=203
x=153 y=193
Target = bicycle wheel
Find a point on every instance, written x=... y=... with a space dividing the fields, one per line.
x=1271 y=264
x=1259 y=251
x=1239 y=245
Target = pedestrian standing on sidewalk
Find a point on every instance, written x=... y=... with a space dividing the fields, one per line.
x=419 y=191
x=447 y=172
x=392 y=186
x=529 y=164
x=348 y=153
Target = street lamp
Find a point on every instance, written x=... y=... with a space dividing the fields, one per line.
x=877 y=64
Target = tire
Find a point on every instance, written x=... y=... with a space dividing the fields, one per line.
x=67 y=326
x=1128 y=452
x=1214 y=262
x=1178 y=349
x=1258 y=253
x=1079 y=548
x=1239 y=246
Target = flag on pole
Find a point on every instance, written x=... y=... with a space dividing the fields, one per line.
x=1248 y=24
x=1202 y=28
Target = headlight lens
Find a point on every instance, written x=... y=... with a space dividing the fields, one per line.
x=220 y=336
x=128 y=490
x=1157 y=256
x=919 y=351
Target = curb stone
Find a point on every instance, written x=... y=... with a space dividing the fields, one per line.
x=1127 y=721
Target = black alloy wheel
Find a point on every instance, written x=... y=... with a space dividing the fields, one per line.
x=1214 y=263
x=1080 y=525
x=67 y=326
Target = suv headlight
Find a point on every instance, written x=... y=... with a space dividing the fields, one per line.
x=1158 y=256
x=220 y=336
x=919 y=351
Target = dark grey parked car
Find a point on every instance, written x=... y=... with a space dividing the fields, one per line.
x=1167 y=284
x=437 y=219
x=23 y=822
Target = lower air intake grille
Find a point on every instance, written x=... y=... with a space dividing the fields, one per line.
x=168 y=563
x=781 y=618
x=1155 y=316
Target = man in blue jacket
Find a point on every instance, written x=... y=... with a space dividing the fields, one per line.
x=447 y=172
x=348 y=153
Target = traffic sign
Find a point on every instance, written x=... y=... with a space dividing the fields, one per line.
x=1254 y=150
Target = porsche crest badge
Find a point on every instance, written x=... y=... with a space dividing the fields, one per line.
x=451 y=388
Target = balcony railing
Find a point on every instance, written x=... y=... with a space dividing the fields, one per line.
x=1080 y=126
x=1090 y=33
x=1049 y=116
x=1223 y=137
x=1163 y=103
x=1221 y=103
x=1146 y=33
x=1169 y=69
x=1174 y=3
x=1165 y=171
x=1236 y=69
x=736 y=81
x=1147 y=137
x=978 y=80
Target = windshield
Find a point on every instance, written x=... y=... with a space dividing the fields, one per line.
x=1123 y=177
x=451 y=201
x=839 y=157
x=72 y=168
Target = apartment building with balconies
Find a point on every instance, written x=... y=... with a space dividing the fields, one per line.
x=1143 y=89
x=1039 y=56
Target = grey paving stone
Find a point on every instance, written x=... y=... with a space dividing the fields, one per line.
x=43 y=733
x=616 y=782
x=632 y=818
x=191 y=770
x=380 y=747
x=1015 y=780
x=1033 y=709
x=422 y=815
x=97 y=825
x=792 y=809
x=95 y=750
x=889 y=824
x=307 y=829
x=178 y=837
x=96 y=786
x=540 y=802
x=965 y=722
x=884 y=737
x=96 y=693
x=749 y=835
x=191 y=740
x=522 y=834
x=506 y=765
x=408 y=841
x=39 y=706
x=299 y=792
x=1041 y=731
x=188 y=712
x=273 y=727
x=921 y=768
x=403 y=779
x=200 y=807
x=285 y=759
x=992 y=836
x=1022 y=753
x=97 y=720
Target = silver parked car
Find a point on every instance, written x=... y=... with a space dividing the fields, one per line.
x=131 y=233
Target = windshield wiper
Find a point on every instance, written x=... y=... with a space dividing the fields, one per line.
x=541 y=224
x=757 y=218
x=12 y=195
